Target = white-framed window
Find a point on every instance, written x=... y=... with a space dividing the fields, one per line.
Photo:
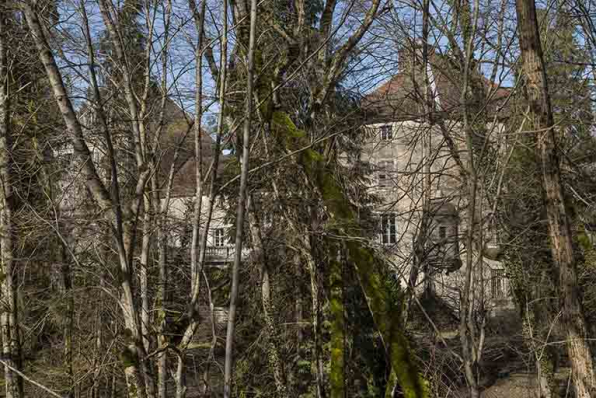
x=385 y=173
x=386 y=132
x=388 y=230
x=219 y=237
x=499 y=286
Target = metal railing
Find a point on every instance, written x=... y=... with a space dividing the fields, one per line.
x=222 y=253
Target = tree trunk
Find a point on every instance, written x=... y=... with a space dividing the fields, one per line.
x=337 y=312
x=211 y=359
x=138 y=374
x=572 y=317
x=387 y=314
x=421 y=242
x=296 y=379
x=199 y=17
x=180 y=377
x=273 y=355
x=198 y=243
x=240 y=212
x=162 y=294
x=66 y=290
x=316 y=317
x=8 y=315
x=144 y=271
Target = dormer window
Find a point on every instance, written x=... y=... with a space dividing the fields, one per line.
x=386 y=132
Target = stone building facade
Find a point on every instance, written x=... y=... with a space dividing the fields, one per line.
x=423 y=215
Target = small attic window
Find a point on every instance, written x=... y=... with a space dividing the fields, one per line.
x=386 y=132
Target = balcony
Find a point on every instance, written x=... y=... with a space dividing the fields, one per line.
x=219 y=255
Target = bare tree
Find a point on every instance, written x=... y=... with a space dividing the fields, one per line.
x=240 y=212
x=122 y=218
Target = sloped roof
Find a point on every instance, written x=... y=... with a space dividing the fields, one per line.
x=179 y=136
x=402 y=96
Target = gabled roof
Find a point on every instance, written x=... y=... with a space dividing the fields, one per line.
x=402 y=96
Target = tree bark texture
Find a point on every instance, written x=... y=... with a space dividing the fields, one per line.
x=572 y=316
x=338 y=338
x=8 y=315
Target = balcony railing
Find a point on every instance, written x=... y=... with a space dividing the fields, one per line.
x=219 y=253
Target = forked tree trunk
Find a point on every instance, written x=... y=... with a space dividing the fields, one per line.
x=138 y=374
x=572 y=317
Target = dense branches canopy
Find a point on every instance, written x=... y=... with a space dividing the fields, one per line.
x=311 y=198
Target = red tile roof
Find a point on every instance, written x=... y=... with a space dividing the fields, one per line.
x=401 y=97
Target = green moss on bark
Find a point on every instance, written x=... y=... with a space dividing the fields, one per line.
x=385 y=310
x=336 y=303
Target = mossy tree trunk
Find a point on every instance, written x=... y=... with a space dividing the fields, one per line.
x=386 y=311
x=337 y=314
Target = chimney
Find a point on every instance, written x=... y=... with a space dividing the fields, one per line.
x=410 y=54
